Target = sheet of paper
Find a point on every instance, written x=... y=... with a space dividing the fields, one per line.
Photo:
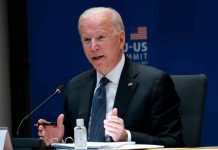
x=5 y=140
x=139 y=146
x=109 y=145
x=95 y=145
x=2 y=138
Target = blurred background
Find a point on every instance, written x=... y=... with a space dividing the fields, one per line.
x=40 y=49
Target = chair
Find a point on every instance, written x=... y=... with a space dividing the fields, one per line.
x=192 y=92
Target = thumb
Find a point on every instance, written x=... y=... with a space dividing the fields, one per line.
x=114 y=112
x=60 y=120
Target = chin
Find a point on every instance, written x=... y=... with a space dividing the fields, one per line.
x=102 y=71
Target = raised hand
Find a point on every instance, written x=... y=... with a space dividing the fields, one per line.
x=51 y=133
x=114 y=127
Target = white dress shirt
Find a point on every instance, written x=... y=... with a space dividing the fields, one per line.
x=111 y=87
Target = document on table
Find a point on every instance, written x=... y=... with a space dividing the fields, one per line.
x=108 y=145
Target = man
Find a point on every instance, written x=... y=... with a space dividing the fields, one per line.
x=141 y=102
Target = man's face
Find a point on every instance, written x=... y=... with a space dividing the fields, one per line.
x=102 y=46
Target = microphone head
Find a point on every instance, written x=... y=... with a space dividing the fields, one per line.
x=60 y=89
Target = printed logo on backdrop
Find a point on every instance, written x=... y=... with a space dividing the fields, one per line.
x=136 y=44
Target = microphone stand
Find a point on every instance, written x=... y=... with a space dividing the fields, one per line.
x=58 y=90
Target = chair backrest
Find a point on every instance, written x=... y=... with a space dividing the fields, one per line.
x=192 y=92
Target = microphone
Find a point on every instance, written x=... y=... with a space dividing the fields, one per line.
x=58 y=90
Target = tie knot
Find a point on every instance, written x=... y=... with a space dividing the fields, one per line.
x=104 y=81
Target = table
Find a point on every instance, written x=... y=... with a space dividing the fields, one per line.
x=189 y=148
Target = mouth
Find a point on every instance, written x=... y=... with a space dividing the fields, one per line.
x=98 y=57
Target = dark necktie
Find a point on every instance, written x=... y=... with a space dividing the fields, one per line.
x=98 y=113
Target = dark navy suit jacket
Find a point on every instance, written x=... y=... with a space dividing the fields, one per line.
x=146 y=100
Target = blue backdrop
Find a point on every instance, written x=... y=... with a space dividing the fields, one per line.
x=178 y=36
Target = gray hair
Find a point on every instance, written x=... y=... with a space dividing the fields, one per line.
x=116 y=18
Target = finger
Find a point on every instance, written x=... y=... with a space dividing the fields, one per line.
x=60 y=120
x=111 y=128
x=113 y=135
x=113 y=120
x=41 y=121
x=40 y=133
x=110 y=133
x=41 y=127
x=114 y=112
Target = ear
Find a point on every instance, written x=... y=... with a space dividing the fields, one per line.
x=122 y=39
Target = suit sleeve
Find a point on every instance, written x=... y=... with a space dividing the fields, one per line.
x=166 y=128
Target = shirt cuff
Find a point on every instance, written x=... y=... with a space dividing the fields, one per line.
x=129 y=136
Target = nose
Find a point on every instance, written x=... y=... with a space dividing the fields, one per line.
x=93 y=45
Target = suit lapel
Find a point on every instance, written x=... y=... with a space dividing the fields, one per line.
x=126 y=88
x=86 y=92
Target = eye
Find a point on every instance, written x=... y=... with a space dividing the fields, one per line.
x=86 y=40
x=101 y=37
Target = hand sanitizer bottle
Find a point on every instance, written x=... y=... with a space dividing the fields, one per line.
x=80 y=135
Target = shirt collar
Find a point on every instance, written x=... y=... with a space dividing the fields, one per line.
x=113 y=75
